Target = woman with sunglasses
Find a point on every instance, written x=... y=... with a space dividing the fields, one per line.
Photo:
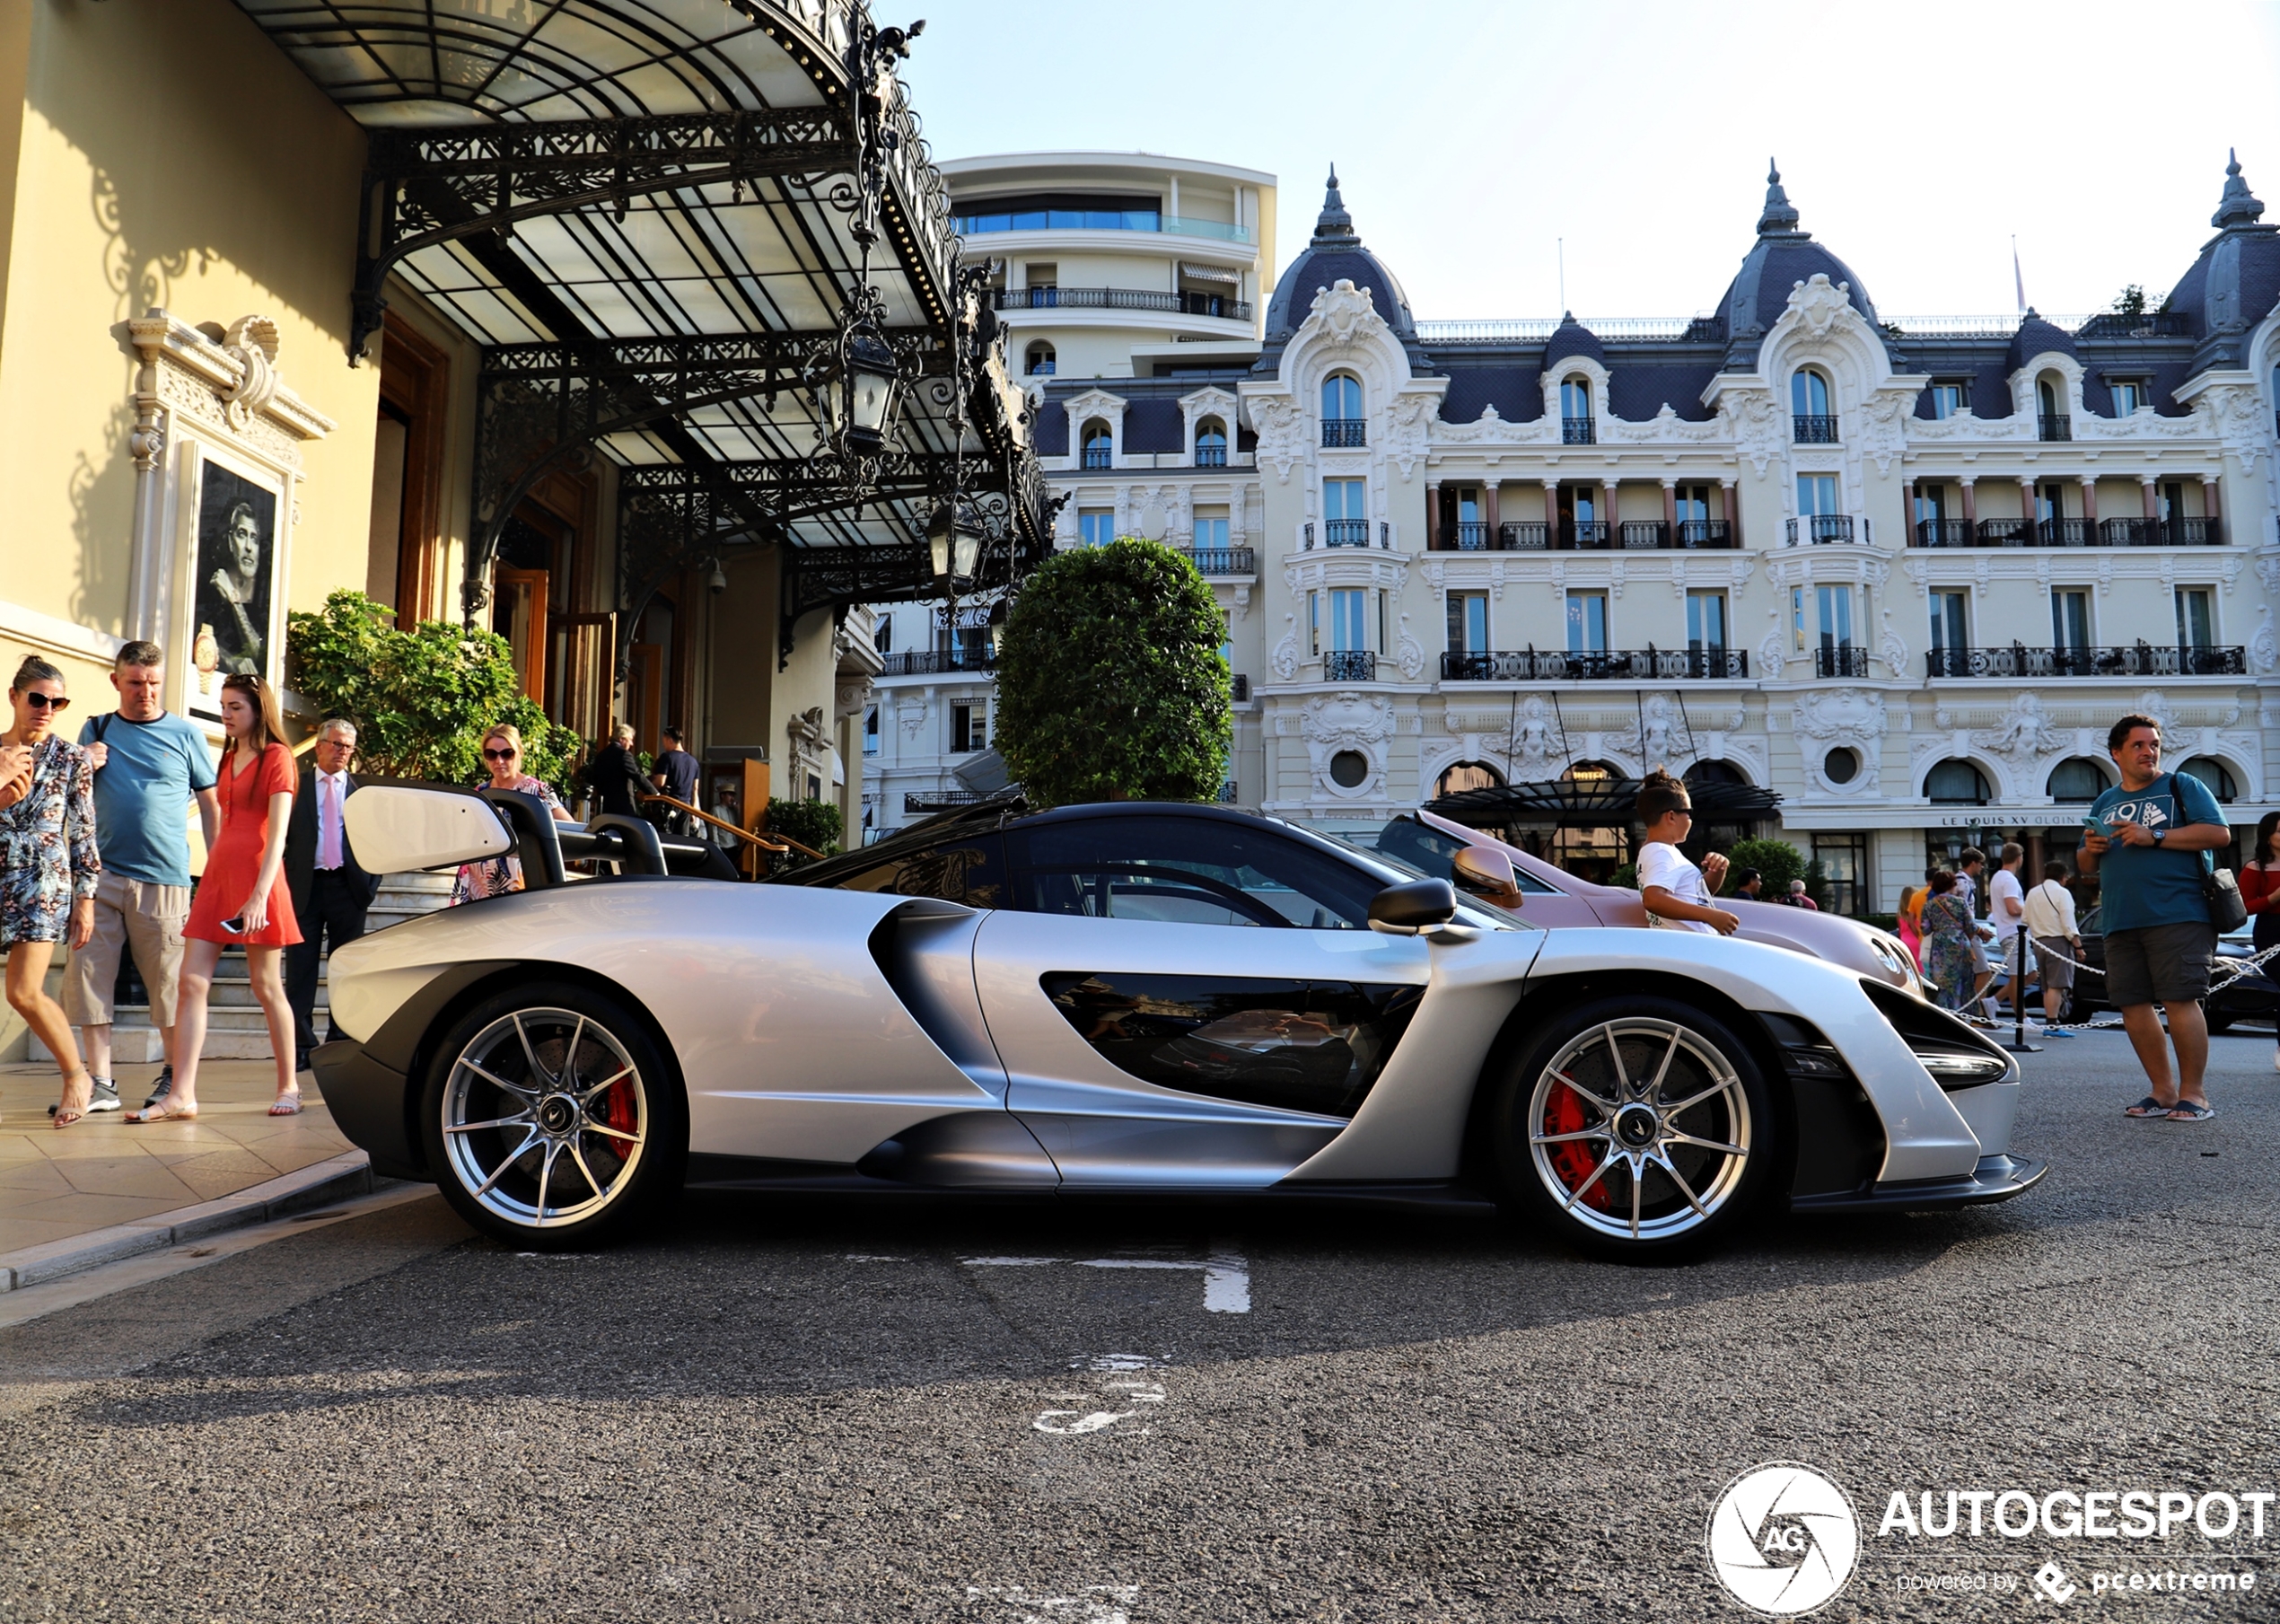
x=48 y=864
x=503 y=757
x=242 y=900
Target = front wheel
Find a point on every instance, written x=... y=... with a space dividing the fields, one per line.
x=1637 y=1128
x=550 y=1118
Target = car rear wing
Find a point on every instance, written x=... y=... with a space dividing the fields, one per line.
x=401 y=825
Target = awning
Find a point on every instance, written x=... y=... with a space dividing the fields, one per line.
x=1596 y=803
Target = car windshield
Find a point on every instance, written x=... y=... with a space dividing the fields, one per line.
x=1488 y=913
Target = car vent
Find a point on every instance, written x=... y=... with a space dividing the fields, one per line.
x=1956 y=1056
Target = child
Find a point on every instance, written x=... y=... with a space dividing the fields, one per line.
x=1676 y=892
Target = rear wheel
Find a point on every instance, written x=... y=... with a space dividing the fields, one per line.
x=1635 y=1129
x=550 y=1118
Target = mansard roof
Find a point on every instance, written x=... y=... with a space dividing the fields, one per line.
x=1572 y=338
x=1335 y=252
x=2036 y=336
x=2235 y=282
x=1784 y=255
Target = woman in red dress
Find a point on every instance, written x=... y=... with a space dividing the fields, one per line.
x=242 y=899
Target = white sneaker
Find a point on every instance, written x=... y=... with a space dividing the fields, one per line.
x=2276 y=1062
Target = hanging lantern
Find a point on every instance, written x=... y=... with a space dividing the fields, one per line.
x=954 y=540
x=868 y=383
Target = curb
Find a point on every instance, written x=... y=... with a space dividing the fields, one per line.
x=316 y=1185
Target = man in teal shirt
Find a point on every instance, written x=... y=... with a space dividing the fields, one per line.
x=2146 y=845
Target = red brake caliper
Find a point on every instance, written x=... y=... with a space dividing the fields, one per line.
x=617 y=1110
x=1575 y=1158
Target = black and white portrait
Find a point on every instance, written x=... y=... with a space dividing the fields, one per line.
x=236 y=543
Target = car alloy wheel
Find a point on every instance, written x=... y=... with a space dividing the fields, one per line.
x=1639 y=1130
x=546 y=1118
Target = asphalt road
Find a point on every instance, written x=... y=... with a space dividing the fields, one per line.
x=803 y=1413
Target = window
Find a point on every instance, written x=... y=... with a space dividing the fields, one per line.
x=1342 y=410
x=1587 y=623
x=2069 y=618
x=1705 y=623
x=1211 y=530
x=1810 y=418
x=968 y=728
x=1949 y=635
x=2129 y=394
x=871 y=730
x=1797 y=620
x=1930 y=504
x=1816 y=495
x=1211 y=443
x=1949 y=396
x=1096 y=526
x=1099 y=446
x=1575 y=412
x=1693 y=504
x=1956 y=783
x=2076 y=783
x=1313 y=623
x=1835 y=604
x=1345 y=512
x=1040 y=362
x=1844 y=864
x=2050 y=502
x=1455 y=781
x=1467 y=623
x=2196 y=617
x=1191 y=870
x=2213 y=772
x=882 y=636
x=1348 y=628
x=1577 y=506
x=2050 y=398
x=971 y=871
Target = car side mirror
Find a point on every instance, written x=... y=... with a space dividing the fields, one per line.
x=1413 y=907
x=1488 y=873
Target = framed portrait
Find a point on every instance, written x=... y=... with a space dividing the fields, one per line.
x=235 y=619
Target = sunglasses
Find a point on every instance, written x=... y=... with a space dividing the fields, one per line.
x=499 y=755
x=42 y=702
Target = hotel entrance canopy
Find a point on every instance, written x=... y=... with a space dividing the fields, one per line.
x=655 y=216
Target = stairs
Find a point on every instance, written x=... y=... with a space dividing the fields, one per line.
x=236 y=1029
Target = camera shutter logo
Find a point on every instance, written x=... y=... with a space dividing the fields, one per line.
x=1782 y=1538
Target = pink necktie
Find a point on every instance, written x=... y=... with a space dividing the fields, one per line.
x=327 y=824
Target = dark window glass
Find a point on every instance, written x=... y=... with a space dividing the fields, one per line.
x=1193 y=871
x=1432 y=852
x=971 y=871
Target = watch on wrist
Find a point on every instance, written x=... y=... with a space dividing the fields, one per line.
x=2158 y=834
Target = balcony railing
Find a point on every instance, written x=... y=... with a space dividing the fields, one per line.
x=2079 y=532
x=1842 y=661
x=1122 y=298
x=1644 y=534
x=940 y=800
x=1806 y=429
x=1211 y=456
x=1704 y=533
x=1099 y=456
x=1242 y=686
x=1819 y=528
x=2054 y=426
x=1614 y=665
x=1943 y=533
x=1346 y=533
x=2064 y=532
x=1350 y=665
x=938 y=661
x=1343 y=433
x=1593 y=535
x=1224 y=560
x=1586 y=535
x=2115 y=325
x=1470 y=537
x=2139 y=660
x=1577 y=431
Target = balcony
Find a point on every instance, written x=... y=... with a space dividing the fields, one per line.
x=1224 y=560
x=2054 y=426
x=2083 y=533
x=1643 y=534
x=1099 y=456
x=1241 y=686
x=1343 y=434
x=1577 y=431
x=1943 y=533
x=1586 y=535
x=1346 y=533
x=1842 y=659
x=1095 y=220
x=938 y=661
x=1211 y=456
x=2016 y=660
x=1821 y=528
x=1350 y=665
x=1805 y=429
x=1122 y=298
x=1469 y=536
x=1706 y=532
x=942 y=800
x=2063 y=532
x=1612 y=666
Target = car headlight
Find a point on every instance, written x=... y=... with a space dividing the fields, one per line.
x=1956 y=1056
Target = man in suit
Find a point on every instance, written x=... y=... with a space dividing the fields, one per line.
x=331 y=893
x=615 y=776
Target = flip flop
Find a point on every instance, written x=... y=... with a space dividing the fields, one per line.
x=2149 y=1107
x=286 y=1104
x=165 y=1111
x=2190 y=1110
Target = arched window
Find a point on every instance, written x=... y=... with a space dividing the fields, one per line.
x=1575 y=411
x=1211 y=443
x=1716 y=772
x=2052 y=422
x=1040 y=360
x=1465 y=776
x=1813 y=421
x=2212 y=772
x=1342 y=421
x=1099 y=446
x=1956 y=783
x=2076 y=783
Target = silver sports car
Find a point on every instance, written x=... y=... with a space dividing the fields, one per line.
x=1186 y=1000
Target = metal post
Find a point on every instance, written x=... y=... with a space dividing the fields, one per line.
x=2019 y=1044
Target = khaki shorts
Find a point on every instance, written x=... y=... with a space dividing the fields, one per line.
x=130 y=914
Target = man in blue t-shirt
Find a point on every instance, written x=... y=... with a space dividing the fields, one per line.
x=2146 y=842
x=150 y=764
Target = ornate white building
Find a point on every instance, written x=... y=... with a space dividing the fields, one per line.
x=1902 y=574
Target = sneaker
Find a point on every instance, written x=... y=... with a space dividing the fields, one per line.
x=162 y=1088
x=2276 y=1062
x=2056 y=1031
x=105 y=1098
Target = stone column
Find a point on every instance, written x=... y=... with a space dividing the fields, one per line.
x=2152 y=486
x=2090 y=502
x=1434 y=540
x=851 y=781
x=1670 y=513
x=1608 y=488
x=1733 y=511
x=2027 y=498
x=1907 y=514
x=1970 y=504
x=1488 y=506
x=1551 y=513
x=2212 y=503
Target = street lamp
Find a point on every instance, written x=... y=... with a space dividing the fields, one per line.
x=954 y=538
x=870 y=378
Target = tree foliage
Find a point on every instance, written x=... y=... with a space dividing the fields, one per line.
x=815 y=823
x=1110 y=683
x=1777 y=861
x=420 y=699
x=2130 y=300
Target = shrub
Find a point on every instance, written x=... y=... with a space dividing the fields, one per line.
x=810 y=823
x=1777 y=861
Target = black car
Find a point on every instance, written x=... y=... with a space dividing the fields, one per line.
x=2254 y=996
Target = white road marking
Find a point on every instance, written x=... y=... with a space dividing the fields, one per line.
x=1100 y=1604
x=1226 y=1274
x=874 y=1257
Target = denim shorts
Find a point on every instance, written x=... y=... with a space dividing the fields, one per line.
x=2159 y=963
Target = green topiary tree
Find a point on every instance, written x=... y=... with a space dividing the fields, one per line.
x=1110 y=684
x=1777 y=861
x=814 y=823
x=420 y=699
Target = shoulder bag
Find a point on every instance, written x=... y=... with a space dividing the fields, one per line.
x=2219 y=890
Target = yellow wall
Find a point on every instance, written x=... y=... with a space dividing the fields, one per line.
x=168 y=155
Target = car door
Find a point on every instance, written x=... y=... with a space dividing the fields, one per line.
x=1185 y=999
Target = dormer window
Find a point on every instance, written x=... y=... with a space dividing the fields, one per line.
x=1575 y=427
x=1811 y=422
x=1211 y=443
x=2129 y=394
x=1038 y=362
x=1341 y=420
x=1099 y=446
x=2051 y=421
x=1949 y=396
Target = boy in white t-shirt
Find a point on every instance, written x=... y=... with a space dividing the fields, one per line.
x=1676 y=892
x=2007 y=907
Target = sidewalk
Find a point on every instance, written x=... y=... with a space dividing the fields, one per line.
x=105 y=1172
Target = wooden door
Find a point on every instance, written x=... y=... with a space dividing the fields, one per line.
x=521 y=617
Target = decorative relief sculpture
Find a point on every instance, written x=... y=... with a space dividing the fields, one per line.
x=2023 y=737
x=1819 y=305
x=1840 y=719
x=1284 y=659
x=1281 y=426
x=1406 y=436
x=1360 y=722
x=2264 y=654
x=1345 y=313
x=1760 y=430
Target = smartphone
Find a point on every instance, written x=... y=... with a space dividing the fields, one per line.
x=236 y=927
x=2096 y=827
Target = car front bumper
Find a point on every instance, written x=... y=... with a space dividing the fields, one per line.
x=1996 y=1178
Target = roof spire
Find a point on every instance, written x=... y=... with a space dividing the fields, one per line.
x=1779 y=216
x=1334 y=224
x=2239 y=206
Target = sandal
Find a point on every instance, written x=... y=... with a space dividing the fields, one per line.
x=67 y=1114
x=286 y=1104
x=2149 y=1107
x=2191 y=1111
x=165 y=1111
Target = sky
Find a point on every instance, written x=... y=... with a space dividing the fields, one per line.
x=1471 y=139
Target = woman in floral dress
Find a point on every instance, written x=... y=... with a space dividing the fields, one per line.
x=1948 y=930
x=497 y=876
x=48 y=864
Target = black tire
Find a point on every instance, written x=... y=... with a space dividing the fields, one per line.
x=611 y=1129
x=1646 y=1217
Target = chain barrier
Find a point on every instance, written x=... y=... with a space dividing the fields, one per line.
x=2229 y=970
